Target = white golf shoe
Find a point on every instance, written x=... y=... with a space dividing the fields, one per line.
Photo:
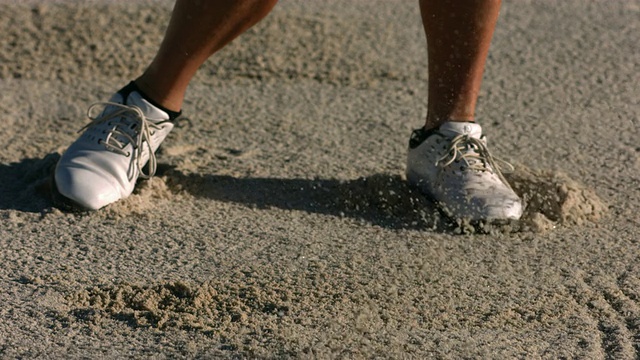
x=452 y=165
x=104 y=163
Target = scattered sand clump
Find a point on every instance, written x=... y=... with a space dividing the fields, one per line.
x=552 y=198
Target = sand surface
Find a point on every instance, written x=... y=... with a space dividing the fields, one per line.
x=279 y=225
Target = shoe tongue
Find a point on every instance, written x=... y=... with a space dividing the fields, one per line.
x=150 y=111
x=454 y=128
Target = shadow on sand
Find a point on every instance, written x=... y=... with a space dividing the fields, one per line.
x=24 y=185
x=381 y=199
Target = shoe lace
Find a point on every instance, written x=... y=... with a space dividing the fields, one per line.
x=137 y=132
x=476 y=157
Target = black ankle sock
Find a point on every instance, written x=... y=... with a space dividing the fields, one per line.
x=131 y=87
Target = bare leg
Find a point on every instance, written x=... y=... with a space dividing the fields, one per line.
x=458 y=38
x=198 y=28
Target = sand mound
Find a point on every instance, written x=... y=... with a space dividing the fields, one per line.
x=552 y=198
x=208 y=307
x=146 y=196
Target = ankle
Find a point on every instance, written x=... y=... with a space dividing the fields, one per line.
x=169 y=100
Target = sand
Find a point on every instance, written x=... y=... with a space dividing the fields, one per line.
x=280 y=226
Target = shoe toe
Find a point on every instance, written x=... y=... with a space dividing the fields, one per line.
x=508 y=209
x=86 y=188
x=497 y=208
x=487 y=204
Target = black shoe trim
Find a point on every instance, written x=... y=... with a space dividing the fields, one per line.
x=418 y=136
x=132 y=86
